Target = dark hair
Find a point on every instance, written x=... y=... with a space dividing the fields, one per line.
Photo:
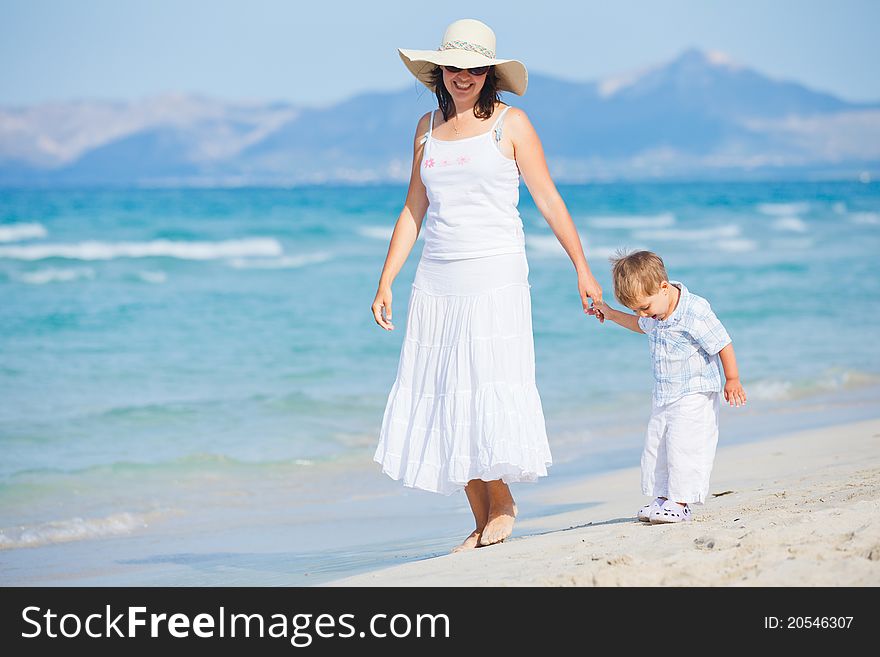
x=485 y=104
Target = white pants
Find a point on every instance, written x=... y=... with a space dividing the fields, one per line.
x=680 y=448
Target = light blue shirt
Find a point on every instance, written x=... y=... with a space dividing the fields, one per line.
x=684 y=348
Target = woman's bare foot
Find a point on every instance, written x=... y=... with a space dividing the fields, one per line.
x=471 y=542
x=502 y=513
x=478 y=497
x=500 y=525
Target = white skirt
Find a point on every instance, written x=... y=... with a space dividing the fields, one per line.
x=465 y=405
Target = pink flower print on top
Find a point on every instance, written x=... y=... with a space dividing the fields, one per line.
x=460 y=160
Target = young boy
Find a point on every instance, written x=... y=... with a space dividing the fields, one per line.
x=689 y=347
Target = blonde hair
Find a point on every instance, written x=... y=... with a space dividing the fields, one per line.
x=636 y=275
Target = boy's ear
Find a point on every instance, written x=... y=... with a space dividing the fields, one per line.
x=664 y=285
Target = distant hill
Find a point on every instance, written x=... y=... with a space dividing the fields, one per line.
x=698 y=116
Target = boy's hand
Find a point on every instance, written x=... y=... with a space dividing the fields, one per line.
x=734 y=394
x=598 y=308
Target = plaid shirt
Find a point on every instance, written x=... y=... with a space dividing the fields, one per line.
x=684 y=349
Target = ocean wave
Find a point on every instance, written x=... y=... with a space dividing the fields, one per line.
x=284 y=262
x=629 y=222
x=544 y=245
x=605 y=253
x=23 y=231
x=770 y=390
x=93 y=250
x=865 y=218
x=790 y=223
x=55 y=275
x=547 y=245
x=197 y=462
x=75 y=529
x=719 y=232
x=796 y=243
x=736 y=246
x=785 y=390
x=376 y=232
x=153 y=276
x=839 y=207
x=783 y=209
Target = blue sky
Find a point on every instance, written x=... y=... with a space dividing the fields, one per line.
x=317 y=53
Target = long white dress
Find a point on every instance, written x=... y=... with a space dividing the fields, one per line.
x=464 y=404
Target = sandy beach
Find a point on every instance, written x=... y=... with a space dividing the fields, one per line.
x=797 y=510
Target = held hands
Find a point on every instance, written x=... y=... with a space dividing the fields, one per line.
x=382 y=308
x=599 y=309
x=734 y=394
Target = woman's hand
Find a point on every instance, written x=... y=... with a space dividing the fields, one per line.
x=382 y=308
x=589 y=288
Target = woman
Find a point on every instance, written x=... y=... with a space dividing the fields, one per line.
x=464 y=411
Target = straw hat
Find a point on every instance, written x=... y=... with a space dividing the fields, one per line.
x=467 y=43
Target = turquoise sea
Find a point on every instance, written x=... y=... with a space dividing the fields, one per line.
x=191 y=381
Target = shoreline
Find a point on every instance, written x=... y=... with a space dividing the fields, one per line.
x=238 y=531
x=800 y=509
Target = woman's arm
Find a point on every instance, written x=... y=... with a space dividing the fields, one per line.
x=529 y=154
x=406 y=230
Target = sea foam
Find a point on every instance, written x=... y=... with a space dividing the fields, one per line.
x=629 y=222
x=24 y=231
x=790 y=223
x=828 y=381
x=544 y=245
x=153 y=276
x=736 y=246
x=783 y=209
x=74 y=529
x=376 y=232
x=865 y=218
x=540 y=246
x=792 y=243
x=93 y=250
x=55 y=275
x=698 y=235
x=284 y=262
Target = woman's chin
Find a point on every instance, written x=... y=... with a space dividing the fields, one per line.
x=463 y=94
x=468 y=98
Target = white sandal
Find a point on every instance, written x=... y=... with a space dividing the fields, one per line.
x=646 y=511
x=671 y=512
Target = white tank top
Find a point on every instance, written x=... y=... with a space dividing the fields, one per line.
x=473 y=191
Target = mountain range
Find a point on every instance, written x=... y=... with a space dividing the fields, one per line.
x=698 y=116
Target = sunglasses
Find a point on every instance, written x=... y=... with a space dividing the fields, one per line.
x=479 y=70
